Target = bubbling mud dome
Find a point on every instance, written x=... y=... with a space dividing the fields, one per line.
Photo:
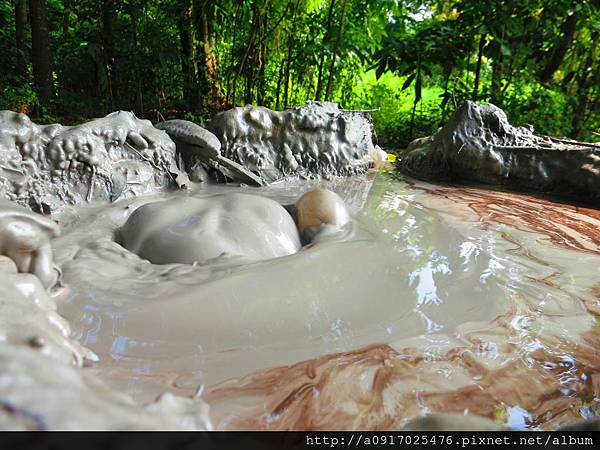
x=204 y=230
x=232 y=306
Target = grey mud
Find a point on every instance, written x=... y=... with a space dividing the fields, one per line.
x=150 y=296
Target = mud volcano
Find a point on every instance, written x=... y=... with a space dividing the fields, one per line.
x=178 y=281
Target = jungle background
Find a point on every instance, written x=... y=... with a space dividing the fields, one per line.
x=413 y=62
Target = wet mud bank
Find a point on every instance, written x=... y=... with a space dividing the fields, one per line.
x=479 y=145
x=45 y=385
x=44 y=167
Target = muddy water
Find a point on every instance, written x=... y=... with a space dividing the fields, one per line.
x=435 y=299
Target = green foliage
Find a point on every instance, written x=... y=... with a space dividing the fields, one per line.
x=532 y=103
x=394 y=105
x=19 y=98
x=196 y=118
x=414 y=61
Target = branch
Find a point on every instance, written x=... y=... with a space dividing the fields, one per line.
x=361 y=110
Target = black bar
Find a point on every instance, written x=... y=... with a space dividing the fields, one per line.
x=297 y=440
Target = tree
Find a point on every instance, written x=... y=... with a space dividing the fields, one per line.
x=325 y=45
x=480 y=47
x=21 y=36
x=557 y=54
x=191 y=92
x=108 y=47
x=291 y=38
x=336 y=49
x=210 y=88
x=191 y=58
x=250 y=49
x=40 y=51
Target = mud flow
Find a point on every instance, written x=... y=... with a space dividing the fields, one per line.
x=432 y=299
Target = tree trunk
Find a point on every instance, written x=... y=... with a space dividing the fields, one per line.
x=191 y=93
x=326 y=40
x=237 y=20
x=208 y=77
x=416 y=102
x=279 y=80
x=261 y=62
x=66 y=12
x=584 y=80
x=248 y=83
x=261 y=90
x=496 y=84
x=286 y=81
x=478 y=68
x=40 y=51
x=446 y=98
x=568 y=28
x=21 y=36
x=137 y=85
x=335 y=51
x=251 y=50
x=251 y=41
x=108 y=47
x=134 y=26
x=290 y=48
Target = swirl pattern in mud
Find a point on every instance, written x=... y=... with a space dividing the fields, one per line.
x=565 y=225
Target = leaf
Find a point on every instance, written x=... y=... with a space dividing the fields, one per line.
x=408 y=81
x=380 y=70
x=568 y=77
x=418 y=89
x=445 y=100
x=409 y=69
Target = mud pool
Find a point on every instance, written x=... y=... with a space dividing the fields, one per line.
x=434 y=299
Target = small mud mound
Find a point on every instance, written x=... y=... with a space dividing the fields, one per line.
x=204 y=230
